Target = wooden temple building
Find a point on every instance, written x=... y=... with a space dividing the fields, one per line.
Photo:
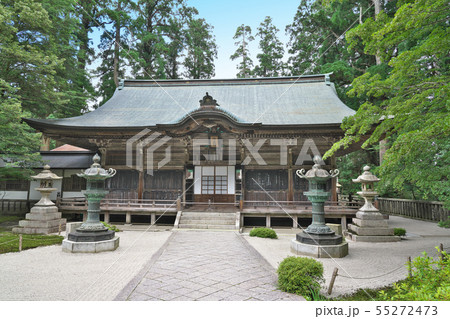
x=236 y=141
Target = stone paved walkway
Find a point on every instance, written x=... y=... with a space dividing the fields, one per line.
x=198 y=265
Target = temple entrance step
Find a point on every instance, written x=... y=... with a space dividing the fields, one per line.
x=207 y=220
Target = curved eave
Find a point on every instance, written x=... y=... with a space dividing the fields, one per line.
x=46 y=126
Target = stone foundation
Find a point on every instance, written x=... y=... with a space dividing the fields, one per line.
x=90 y=247
x=41 y=220
x=320 y=251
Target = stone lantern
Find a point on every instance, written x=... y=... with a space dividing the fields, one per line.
x=92 y=235
x=318 y=240
x=369 y=224
x=44 y=217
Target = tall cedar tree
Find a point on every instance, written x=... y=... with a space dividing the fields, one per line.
x=157 y=28
x=114 y=45
x=201 y=50
x=244 y=34
x=317 y=45
x=270 y=60
x=408 y=104
x=28 y=65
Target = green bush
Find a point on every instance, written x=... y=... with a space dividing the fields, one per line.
x=430 y=281
x=399 y=231
x=263 y=233
x=300 y=275
x=444 y=223
x=111 y=227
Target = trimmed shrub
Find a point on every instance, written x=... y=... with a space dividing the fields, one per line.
x=111 y=227
x=399 y=231
x=444 y=224
x=263 y=233
x=300 y=275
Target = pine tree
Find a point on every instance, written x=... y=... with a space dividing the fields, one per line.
x=244 y=34
x=270 y=60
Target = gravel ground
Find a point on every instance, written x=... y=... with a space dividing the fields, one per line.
x=48 y=273
x=365 y=259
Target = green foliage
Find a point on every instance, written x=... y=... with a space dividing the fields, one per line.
x=316 y=46
x=430 y=281
x=201 y=50
x=399 y=232
x=111 y=227
x=300 y=275
x=350 y=167
x=18 y=144
x=263 y=233
x=244 y=36
x=9 y=242
x=444 y=223
x=270 y=60
x=159 y=29
x=411 y=83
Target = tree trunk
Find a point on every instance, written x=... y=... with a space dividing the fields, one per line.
x=117 y=46
x=378 y=5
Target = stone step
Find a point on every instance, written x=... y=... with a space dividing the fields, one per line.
x=207 y=222
x=42 y=223
x=225 y=218
x=207 y=214
x=207 y=226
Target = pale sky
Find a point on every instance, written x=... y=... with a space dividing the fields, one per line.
x=227 y=15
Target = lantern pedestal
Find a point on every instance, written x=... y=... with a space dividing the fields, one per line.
x=318 y=240
x=43 y=217
x=369 y=224
x=92 y=236
x=41 y=220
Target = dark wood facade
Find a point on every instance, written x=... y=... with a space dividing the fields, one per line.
x=210 y=154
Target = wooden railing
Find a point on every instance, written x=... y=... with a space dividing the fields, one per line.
x=80 y=204
x=413 y=208
x=15 y=205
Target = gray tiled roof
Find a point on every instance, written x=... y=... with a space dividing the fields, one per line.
x=275 y=101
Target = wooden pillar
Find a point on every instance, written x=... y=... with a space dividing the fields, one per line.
x=344 y=222
x=106 y=218
x=128 y=218
x=333 y=181
x=153 y=218
x=45 y=143
x=141 y=184
x=294 y=222
x=103 y=155
x=290 y=196
x=268 y=221
x=183 y=197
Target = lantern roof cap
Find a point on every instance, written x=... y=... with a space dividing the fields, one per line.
x=46 y=174
x=366 y=176
x=97 y=171
x=317 y=172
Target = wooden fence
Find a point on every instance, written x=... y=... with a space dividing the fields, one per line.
x=413 y=208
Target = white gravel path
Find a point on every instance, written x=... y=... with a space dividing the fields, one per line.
x=365 y=259
x=48 y=273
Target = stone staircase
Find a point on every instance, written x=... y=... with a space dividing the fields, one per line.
x=207 y=220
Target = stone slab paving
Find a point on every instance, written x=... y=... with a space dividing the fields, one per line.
x=201 y=265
